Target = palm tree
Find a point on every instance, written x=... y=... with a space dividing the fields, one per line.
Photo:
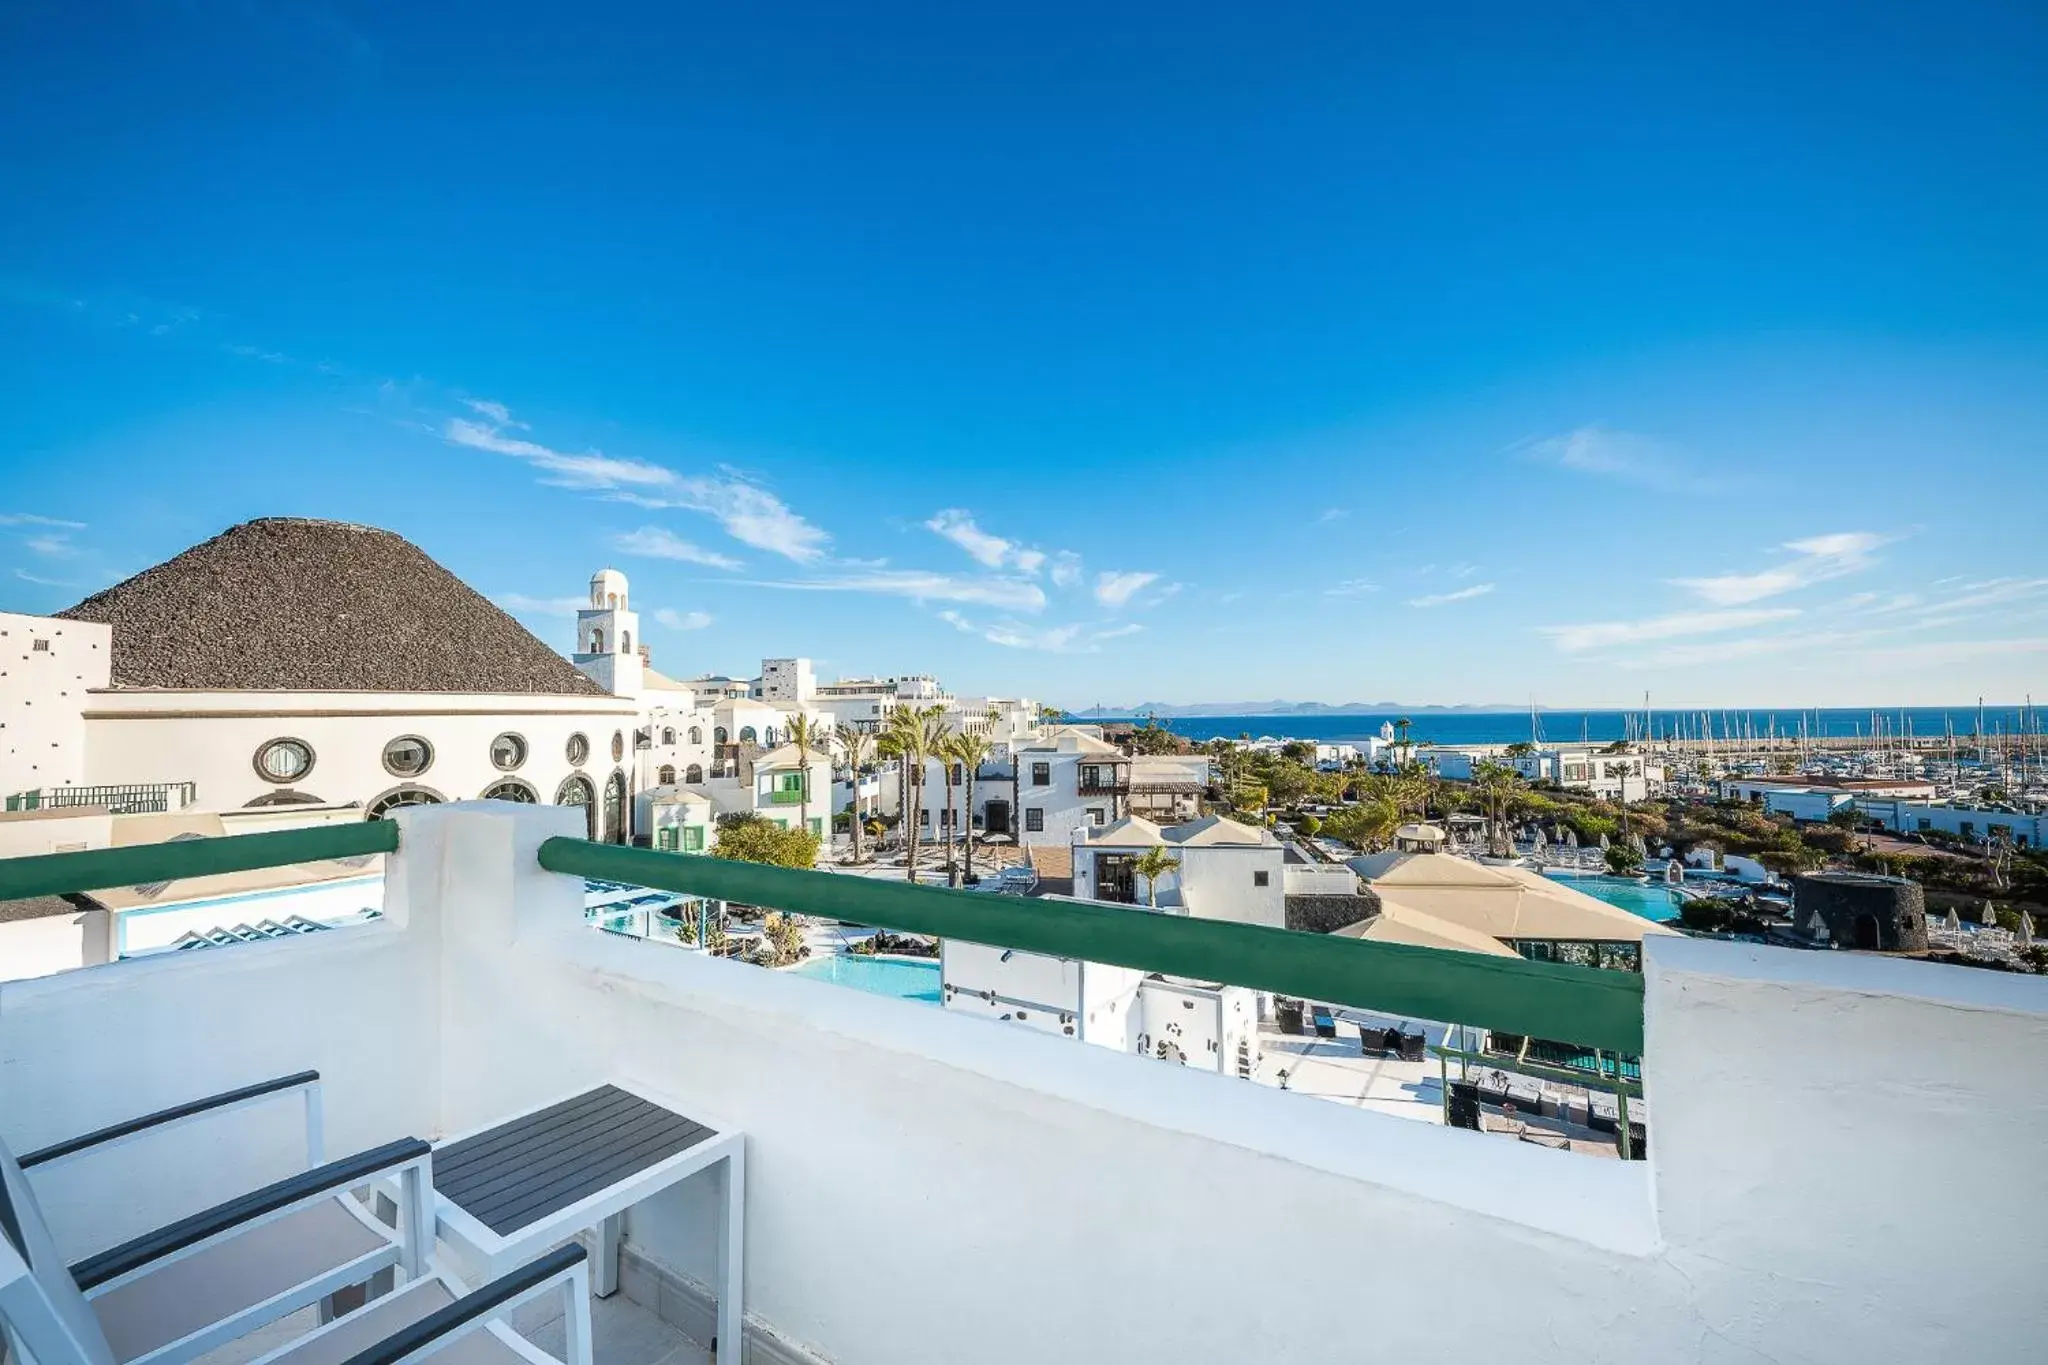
x=1050 y=715
x=858 y=747
x=805 y=736
x=1499 y=791
x=900 y=737
x=943 y=751
x=912 y=735
x=1154 y=863
x=971 y=748
x=936 y=737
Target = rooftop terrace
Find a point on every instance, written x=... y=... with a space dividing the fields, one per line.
x=1844 y=1165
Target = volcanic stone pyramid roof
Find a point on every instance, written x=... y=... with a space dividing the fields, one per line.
x=288 y=604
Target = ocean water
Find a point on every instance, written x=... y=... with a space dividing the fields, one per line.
x=1506 y=727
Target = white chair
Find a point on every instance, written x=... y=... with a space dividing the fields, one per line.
x=434 y=1314
x=190 y=1286
x=171 y=1295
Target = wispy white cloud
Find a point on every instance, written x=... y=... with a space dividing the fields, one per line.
x=1115 y=589
x=1008 y=594
x=519 y=604
x=1439 y=599
x=1815 y=559
x=1331 y=514
x=1079 y=637
x=257 y=353
x=655 y=542
x=51 y=545
x=1352 y=587
x=31 y=519
x=1066 y=569
x=1600 y=451
x=749 y=513
x=1936 y=654
x=957 y=526
x=497 y=414
x=683 y=620
x=1575 y=639
x=986 y=547
x=25 y=576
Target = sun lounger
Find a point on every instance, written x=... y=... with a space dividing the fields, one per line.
x=1325 y=1022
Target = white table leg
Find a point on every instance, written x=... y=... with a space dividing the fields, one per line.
x=732 y=1258
x=604 y=1276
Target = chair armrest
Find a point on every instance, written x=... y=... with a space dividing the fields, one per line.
x=470 y=1308
x=275 y=1198
x=227 y=1099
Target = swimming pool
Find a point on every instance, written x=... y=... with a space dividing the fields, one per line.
x=1651 y=900
x=905 y=980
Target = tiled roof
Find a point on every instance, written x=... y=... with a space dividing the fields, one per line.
x=286 y=604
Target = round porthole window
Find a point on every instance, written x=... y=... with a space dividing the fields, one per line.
x=408 y=756
x=508 y=751
x=618 y=745
x=284 y=760
x=579 y=749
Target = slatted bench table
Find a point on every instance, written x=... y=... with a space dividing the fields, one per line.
x=509 y=1191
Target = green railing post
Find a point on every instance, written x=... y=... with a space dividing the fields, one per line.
x=1588 y=1006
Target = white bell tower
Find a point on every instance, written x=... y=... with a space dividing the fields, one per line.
x=608 y=637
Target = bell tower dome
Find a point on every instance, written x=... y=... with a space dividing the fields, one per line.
x=607 y=636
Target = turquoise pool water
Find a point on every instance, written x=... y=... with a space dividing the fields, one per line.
x=877 y=976
x=1651 y=900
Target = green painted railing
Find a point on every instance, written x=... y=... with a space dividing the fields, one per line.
x=1582 y=1005
x=54 y=874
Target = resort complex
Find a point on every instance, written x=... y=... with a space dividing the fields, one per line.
x=386 y=802
x=915 y=684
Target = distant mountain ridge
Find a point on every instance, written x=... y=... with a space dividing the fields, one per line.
x=1166 y=710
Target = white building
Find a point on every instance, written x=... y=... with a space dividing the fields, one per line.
x=293 y=662
x=1586 y=768
x=2018 y=828
x=1227 y=871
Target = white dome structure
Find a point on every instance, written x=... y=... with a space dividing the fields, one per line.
x=608 y=590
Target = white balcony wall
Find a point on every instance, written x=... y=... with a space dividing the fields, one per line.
x=924 y=1186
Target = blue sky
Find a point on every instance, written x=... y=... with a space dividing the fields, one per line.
x=1099 y=353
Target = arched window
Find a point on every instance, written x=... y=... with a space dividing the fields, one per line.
x=747 y=735
x=618 y=745
x=666 y=776
x=615 y=808
x=696 y=734
x=668 y=737
x=718 y=735
x=401 y=796
x=694 y=773
x=511 y=789
x=768 y=737
x=625 y=642
x=611 y=601
x=283 y=796
x=597 y=642
x=577 y=791
x=578 y=750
